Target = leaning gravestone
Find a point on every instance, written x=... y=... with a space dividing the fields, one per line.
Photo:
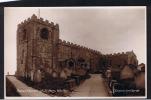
x=140 y=80
x=54 y=74
x=32 y=75
x=127 y=73
x=63 y=75
x=37 y=76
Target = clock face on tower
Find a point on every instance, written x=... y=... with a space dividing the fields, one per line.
x=44 y=33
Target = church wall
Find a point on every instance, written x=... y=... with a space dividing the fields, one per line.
x=69 y=51
x=121 y=59
x=35 y=54
x=38 y=55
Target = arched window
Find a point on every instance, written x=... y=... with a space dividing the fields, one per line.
x=44 y=33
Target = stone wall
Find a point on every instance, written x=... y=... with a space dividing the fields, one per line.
x=120 y=59
x=81 y=56
x=40 y=52
x=37 y=48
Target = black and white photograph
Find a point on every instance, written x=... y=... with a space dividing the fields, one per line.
x=75 y=52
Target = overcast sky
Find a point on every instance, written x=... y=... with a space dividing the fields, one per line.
x=106 y=29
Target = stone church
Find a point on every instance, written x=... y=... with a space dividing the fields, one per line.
x=40 y=51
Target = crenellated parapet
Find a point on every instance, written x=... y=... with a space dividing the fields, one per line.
x=121 y=53
x=34 y=18
x=121 y=58
x=76 y=46
x=115 y=54
x=47 y=53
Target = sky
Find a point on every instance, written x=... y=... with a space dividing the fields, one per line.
x=106 y=29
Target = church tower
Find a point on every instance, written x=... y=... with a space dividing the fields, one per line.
x=37 y=49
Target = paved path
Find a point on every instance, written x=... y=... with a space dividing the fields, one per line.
x=25 y=90
x=91 y=87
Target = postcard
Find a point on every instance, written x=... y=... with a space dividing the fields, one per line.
x=75 y=52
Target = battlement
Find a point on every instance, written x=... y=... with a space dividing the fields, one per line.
x=70 y=44
x=49 y=54
x=34 y=18
x=120 y=53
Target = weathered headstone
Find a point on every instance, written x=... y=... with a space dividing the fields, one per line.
x=127 y=73
x=63 y=75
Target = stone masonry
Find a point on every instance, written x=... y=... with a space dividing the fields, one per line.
x=40 y=51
